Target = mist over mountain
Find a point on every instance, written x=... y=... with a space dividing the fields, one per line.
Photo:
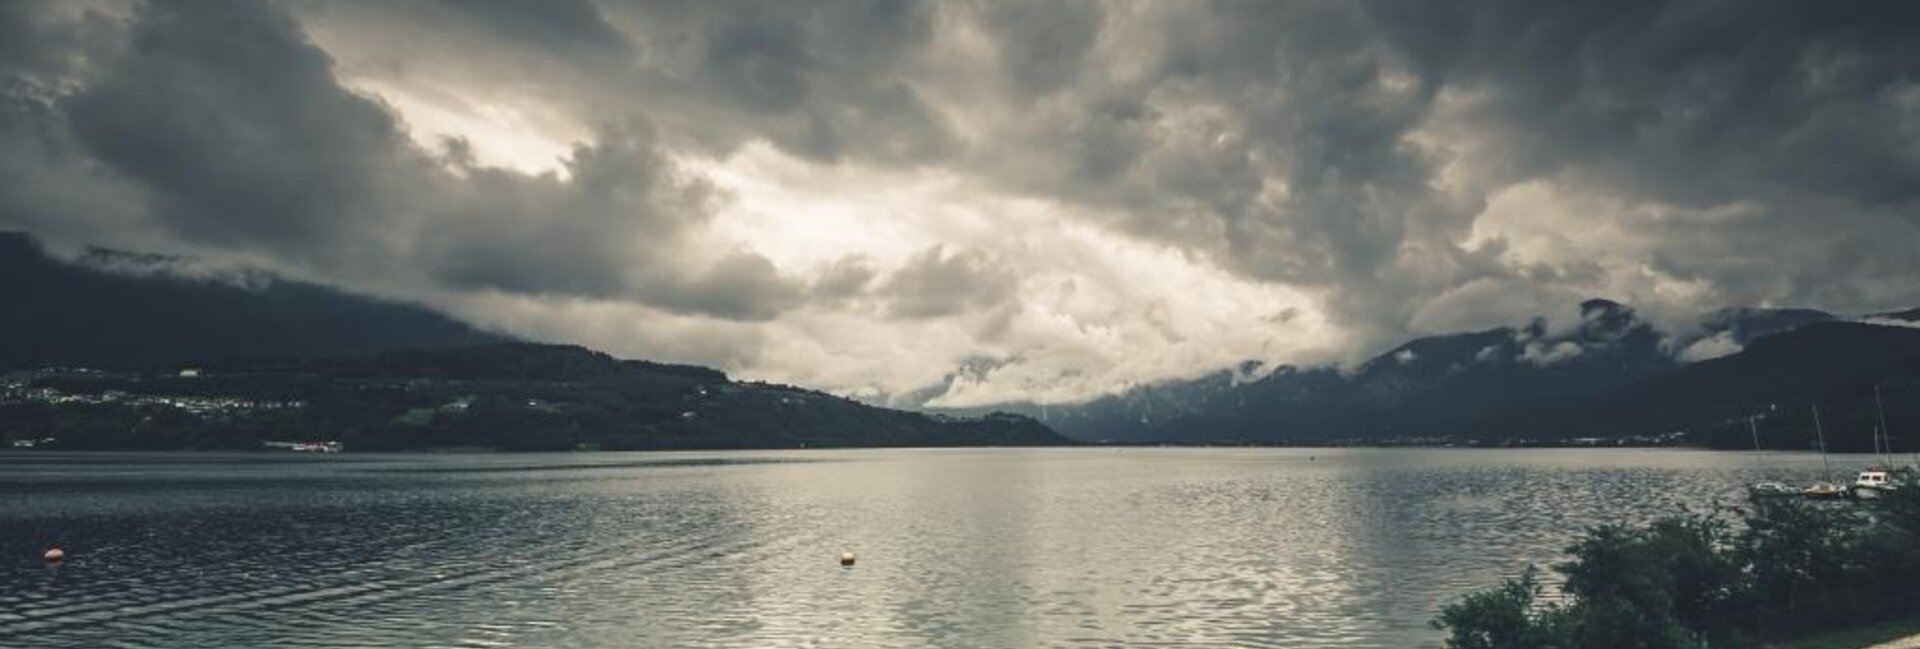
x=1612 y=374
x=1609 y=372
x=1855 y=372
x=122 y=311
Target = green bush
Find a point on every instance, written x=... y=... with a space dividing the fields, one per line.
x=1801 y=563
x=1665 y=585
x=1690 y=581
x=1508 y=617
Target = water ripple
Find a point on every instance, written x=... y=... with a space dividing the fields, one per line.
x=1053 y=548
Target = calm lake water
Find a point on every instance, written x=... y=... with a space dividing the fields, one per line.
x=957 y=548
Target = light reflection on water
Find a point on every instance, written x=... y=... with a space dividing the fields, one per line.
x=958 y=548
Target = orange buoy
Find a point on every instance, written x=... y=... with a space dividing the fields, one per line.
x=846 y=559
x=54 y=555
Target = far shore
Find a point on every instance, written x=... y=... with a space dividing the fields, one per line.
x=455 y=450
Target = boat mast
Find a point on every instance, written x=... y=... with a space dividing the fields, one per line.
x=1881 y=403
x=1821 y=432
x=1874 y=432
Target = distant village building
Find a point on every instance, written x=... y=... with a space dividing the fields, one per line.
x=306 y=447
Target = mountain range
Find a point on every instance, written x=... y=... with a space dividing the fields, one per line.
x=505 y=396
x=1611 y=375
x=112 y=354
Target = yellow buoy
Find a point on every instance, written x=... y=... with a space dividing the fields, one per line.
x=846 y=558
x=54 y=555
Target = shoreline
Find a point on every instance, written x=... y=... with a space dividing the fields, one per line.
x=481 y=450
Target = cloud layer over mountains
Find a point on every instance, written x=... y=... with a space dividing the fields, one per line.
x=1067 y=198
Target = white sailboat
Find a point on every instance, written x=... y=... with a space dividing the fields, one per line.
x=1877 y=480
x=1765 y=489
x=1872 y=483
x=1824 y=489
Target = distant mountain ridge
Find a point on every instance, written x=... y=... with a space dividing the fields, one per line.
x=1853 y=372
x=289 y=360
x=1591 y=379
x=1611 y=375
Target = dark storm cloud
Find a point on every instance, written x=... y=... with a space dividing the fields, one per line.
x=239 y=129
x=1409 y=165
x=1806 y=112
x=613 y=230
x=940 y=282
x=45 y=175
x=825 y=81
x=1270 y=136
x=1286 y=140
x=845 y=278
x=569 y=30
x=243 y=140
x=1044 y=44
x=27 y=45
x=1789 y=92
x=564 y=47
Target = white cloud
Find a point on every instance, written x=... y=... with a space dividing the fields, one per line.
x=1891 y=322
x=1092 y=311
x=1541 y=354
x=1710 y=347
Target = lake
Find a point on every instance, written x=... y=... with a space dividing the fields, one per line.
x=1092 y=547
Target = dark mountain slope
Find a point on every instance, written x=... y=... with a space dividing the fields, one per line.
x=1433 y=386
x=1835 y=365
x=64 y=314
x=1506 y=383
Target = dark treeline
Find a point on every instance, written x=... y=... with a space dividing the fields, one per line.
x=1851 y=413
x=1787 y=569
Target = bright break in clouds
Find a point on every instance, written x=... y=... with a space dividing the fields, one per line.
x=1059 y=199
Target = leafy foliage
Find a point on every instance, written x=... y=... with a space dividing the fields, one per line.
x=1690 y=581
x=1507 y=617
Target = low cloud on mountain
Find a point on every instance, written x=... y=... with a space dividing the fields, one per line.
x=863 y=196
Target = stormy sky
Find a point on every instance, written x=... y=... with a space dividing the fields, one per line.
x=1056 y=199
